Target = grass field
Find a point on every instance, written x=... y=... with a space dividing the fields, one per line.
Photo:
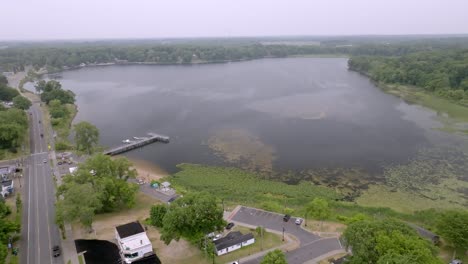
x=236 y=186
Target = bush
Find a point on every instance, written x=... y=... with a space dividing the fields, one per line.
x=63 y=145
x=55 y=121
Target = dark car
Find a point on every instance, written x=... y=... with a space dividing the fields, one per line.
x=286 y=218
x=229 y=226
x=60 y=163
x=42 y=135
x=56 y=251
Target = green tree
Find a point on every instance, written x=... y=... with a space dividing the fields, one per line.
x=318 y=209
x=40 y=86
x=21 y=102
x=80 y=203
x=86 y=136
x=157 y=214
x=57 y=109
x=274 y=257
x=453 y=226
x=7 y=93
x=387 y=240
x=3 y=80
x=192 y=217
x=108 y=178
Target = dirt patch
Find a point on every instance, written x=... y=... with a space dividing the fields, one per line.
x=332 y=228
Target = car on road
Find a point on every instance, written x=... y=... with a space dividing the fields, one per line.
x=60 y=163
x=45 y=161
x=298 y=221
x=42 y=135
x=230 y=225
x=286 y=218
x=39 y=121
x=56 y=251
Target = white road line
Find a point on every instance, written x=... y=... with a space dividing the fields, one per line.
x=341 y=246
x=37 y=217
x=47 y=207
x=39 y=153
x=29 y=212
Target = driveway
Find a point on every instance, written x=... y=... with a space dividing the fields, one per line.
x=311 y=246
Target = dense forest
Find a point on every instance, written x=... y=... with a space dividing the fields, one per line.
x=443 y=72
x=59 y=56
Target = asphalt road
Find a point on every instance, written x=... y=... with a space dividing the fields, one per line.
x=39 y=232
x=311 y=246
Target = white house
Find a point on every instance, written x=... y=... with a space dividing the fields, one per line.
x=233 y=241
x=133 y=242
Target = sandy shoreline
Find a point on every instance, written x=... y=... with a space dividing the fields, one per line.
x=148 y=171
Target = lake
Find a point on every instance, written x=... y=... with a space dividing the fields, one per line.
x=269 y=115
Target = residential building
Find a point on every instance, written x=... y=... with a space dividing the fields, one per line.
x=133 y=242
x=233 y=241
x=7 y=187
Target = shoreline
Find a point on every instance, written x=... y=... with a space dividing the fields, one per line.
x=147 y=171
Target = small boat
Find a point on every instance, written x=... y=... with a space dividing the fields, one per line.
x=126 y=141
x=139 y=138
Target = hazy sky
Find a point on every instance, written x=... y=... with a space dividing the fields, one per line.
x=75 y=19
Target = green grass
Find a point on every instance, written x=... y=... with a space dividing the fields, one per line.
x=64 y=126
x=236 y=186
x=81 y=259
x=270 y=240
x=417 y=95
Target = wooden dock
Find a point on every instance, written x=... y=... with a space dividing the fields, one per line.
x=137 y=144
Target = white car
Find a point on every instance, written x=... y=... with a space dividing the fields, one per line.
x=45 y=161
x=298 y=221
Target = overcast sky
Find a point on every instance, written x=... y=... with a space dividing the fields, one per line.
x=95 y=19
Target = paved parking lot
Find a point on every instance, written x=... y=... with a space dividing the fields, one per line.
x=311 y=246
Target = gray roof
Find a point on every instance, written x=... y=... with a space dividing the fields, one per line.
x=129 y=229
x=232 y=239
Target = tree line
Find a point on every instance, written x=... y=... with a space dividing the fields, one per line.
x=442 y=72
x=56 y=58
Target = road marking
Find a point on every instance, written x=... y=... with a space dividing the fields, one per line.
x=47 y=206
x=29 y=212
x=37 y=217
x=39 y=153
x=339 y=243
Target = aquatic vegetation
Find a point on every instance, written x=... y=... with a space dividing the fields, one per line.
x=238 y=186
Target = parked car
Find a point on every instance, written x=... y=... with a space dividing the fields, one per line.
x=216 y=237
x=45 y=161
x=456 y=261
x=56 y=251
x=286 y=218
x=298 y=221
x=230 y=225
x=60 y=163
x=42 y=135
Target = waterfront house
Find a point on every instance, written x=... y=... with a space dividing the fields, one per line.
x=133 y=242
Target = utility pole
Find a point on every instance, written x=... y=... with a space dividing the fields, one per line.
x=283 y=233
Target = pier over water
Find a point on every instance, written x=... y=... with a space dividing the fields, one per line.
x=137 y=143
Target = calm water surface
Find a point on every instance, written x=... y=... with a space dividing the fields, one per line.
x=311 y=112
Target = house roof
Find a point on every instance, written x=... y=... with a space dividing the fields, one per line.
x=232 y=239
x=129 y=229
x=7 y=183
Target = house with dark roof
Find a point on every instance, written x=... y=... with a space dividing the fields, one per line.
x=233 y=241
x=133 y=242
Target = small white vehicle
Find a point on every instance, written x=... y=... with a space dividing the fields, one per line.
x=298 y=221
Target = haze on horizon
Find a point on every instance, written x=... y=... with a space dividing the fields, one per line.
x=104 y=19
